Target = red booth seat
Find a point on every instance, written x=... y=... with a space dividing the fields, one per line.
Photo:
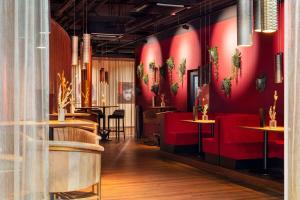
x=178 y=132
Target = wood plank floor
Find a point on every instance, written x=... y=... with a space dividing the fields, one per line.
x=133 y=171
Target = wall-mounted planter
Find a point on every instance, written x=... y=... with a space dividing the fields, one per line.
x=146 y=79
x=140 y=71
x=214 y=59
x=174 y=88
x=170 y=63
x=226 y=86
x=182 y=69
x=155 y=88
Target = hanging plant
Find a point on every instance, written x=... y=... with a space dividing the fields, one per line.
x=170 y=63
x=226 y=86
x=140 y=70
x=182 y=69
x=146 y=79
x=163 y=71
x=152 y=65
x=155 y=88
x=214 y=58
x=236 y=63
x=174 y=88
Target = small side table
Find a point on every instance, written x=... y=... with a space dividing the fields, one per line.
x=265 y=130
x=200 y=137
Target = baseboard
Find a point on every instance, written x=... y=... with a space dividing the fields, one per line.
x=179 y=148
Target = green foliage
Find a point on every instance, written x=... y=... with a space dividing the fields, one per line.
x=170 y=63
x=163 y=71
x=155 y=88
x=174 y=88
x=213 y=54
x=236 y=59
x=140 y=71
x=146 y=79
x=152 y=65
x=226 y=86
x=182 y=69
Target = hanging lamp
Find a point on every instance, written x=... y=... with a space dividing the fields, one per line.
x=244 y=22
x=74 y=43
x=270 y=16
x=258 y=15
x=86 y=43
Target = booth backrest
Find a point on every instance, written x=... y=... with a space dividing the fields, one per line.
x=231 y=131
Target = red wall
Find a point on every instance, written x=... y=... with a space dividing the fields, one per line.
x=60 y=60
x=257 y=59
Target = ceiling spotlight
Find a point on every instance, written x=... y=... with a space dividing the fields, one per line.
x=185 y=26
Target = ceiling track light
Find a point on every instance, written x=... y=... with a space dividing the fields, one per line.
x=170 y=5
x=185 y=26
x=244 y=22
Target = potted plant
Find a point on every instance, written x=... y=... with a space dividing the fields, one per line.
x=174 y=88
x=226 y=86
x=64 y=95
x=182 y=69
x=140 y=70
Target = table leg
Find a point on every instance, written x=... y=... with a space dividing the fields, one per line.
x=200 y=151
x=104 y=118
x=51 y=133
x=212 y=130
x=265 y=151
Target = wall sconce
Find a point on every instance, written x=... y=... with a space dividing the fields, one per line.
x=244 y=22
x=278 y=68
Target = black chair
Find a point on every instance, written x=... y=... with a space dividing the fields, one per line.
x=117 y=115
x=99 y=115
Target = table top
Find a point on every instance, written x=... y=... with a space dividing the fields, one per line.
x=95 y=107
x=72 y=114
x=279 y=129
x=71 y=123
x=161 y=107
x=200 y=121
x=51 y=123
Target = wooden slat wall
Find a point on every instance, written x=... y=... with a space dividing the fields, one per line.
x=60 y=60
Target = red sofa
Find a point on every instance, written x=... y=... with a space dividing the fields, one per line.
x=176 y=134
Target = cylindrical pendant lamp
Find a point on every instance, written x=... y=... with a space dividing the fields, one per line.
x=258 y=15
x=74 y=50
x=86 y=48
x=278 y=68
x=244 y=22
x=270 y=16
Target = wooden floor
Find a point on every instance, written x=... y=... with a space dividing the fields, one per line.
x=132 y=171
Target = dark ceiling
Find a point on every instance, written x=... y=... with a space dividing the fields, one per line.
x=117 y=26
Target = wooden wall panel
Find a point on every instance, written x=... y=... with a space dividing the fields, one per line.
x=60 y=60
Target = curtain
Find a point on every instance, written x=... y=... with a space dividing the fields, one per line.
x=119 y=90
x=292 y=99
x=24 y=102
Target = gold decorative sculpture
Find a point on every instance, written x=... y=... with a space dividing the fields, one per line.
x=64 y=95
x=162 y=100
x=204 y=111
x=272 y=112
x=86 y=95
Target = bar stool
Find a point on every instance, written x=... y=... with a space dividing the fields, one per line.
x=99 y=115
x=117 y=115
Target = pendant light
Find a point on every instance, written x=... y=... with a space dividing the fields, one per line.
x=270 y=16
x=244 y=22
x=258 y=15
x=74 y=43
x=86 y=42
x=279 y=58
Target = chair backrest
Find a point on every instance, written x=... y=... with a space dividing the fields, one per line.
x=119 y=113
